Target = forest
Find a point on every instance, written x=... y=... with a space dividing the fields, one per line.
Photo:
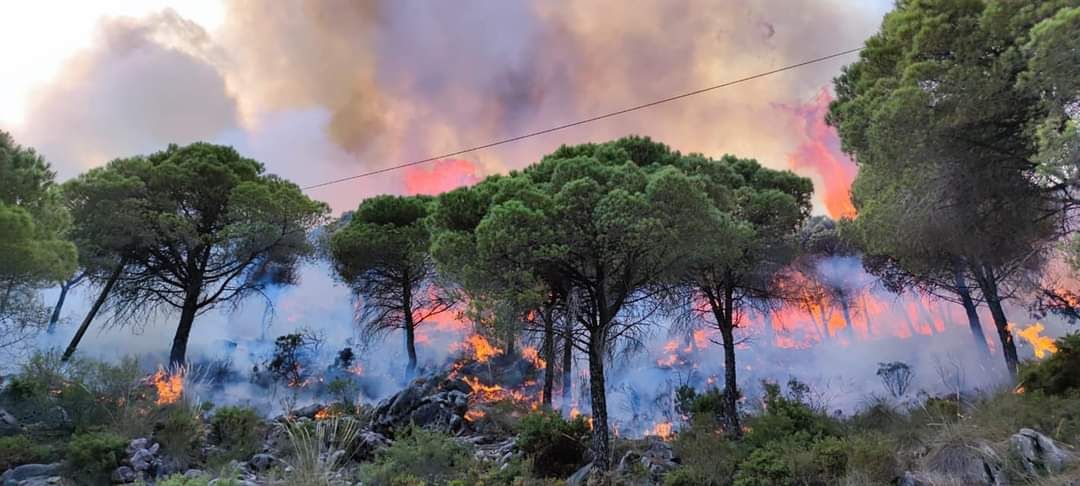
x=963 y=117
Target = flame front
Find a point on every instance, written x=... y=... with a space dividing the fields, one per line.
x=481 y=349
x=170 y=386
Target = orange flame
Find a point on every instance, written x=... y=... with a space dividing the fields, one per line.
x=663 y=430
x=324 y=414
x=533 y=356
x=472 y=415
x=481 y=349
x=1042 y=345
x=169 y=386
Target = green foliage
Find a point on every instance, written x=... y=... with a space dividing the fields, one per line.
x=708 y=456
x=382 y=253
x=20 y=449
x=764 y=467
x=873 y=456
x=82 y=394
x=1055 y=375
x=92 y=456
x=199 y=223
x=418 y=456
x=709 y=404
x=180 y=431
x=785 y=419
x=238 y=431
x=554 y=445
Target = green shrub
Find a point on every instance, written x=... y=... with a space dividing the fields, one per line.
x=180 y=433
x=19 y=449
x=83 y=394
x=824 y=462
x=238 y=431
x=93 y=456
x=554 y=445
x=692 y=404
x=708 y=457
x=764 y=467
x=788 y=420
x=1055 y=375
x=419 y=455
x=872 y=455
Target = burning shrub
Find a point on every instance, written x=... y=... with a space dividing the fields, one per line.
x=93 y=456
x=19 y=449
x=555 y=446
x=238 y=431
x=420 y=456
x=1057 y=374
x=293 y=355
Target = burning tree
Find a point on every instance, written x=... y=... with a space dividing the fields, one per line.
x=516 y=289
x=745 y=242
x=610 y=220
x=383 y=254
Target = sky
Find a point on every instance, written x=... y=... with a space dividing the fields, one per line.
x=318 y=90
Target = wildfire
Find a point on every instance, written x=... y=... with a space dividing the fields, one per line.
x=663 y=430
x=487 y=393
x=533 y=356
x=482 y=350
x=1042 y=345
x=324 y=414
x=169 y=386
x=472 y=415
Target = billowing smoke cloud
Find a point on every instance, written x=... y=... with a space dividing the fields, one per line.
x=141 y=86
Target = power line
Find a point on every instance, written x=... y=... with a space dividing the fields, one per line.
x=584 y=121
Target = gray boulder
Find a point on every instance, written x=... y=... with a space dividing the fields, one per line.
x=1039 y=453
x=30 y=471
x=124 y=474
x=9 y=425
x=262 y=462
x=962 y=463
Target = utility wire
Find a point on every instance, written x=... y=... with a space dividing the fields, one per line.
x=584 y=121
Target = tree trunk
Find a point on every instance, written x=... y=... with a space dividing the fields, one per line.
x=64 y=288
x=567 y=368
x=549 y=354
x=93 y=310
x=845 y=310
x=601 y=448
x=410 y=328
x=988 y=284
x=972 y=312
x=722 y=312
x=55 y=317
x=178 y=356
